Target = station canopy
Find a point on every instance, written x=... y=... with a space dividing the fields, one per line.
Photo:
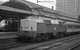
x=20 y=8
x=14 y=9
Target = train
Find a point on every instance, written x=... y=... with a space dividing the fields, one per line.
x=45 y=28
x=38 y=28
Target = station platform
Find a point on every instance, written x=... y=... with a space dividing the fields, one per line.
x=4 y=35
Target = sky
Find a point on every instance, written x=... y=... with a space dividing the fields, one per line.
x=3 y=0
x=46 y=4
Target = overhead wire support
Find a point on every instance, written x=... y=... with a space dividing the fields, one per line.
x=38 y=9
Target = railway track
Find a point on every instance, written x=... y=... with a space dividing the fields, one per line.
x=10 y=45
x=54 y=44
x=74 y=47
x=61 y=43
x=32 y=46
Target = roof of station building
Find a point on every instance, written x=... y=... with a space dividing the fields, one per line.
x=28 y=6
x=33 y=5
x=18 y=5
